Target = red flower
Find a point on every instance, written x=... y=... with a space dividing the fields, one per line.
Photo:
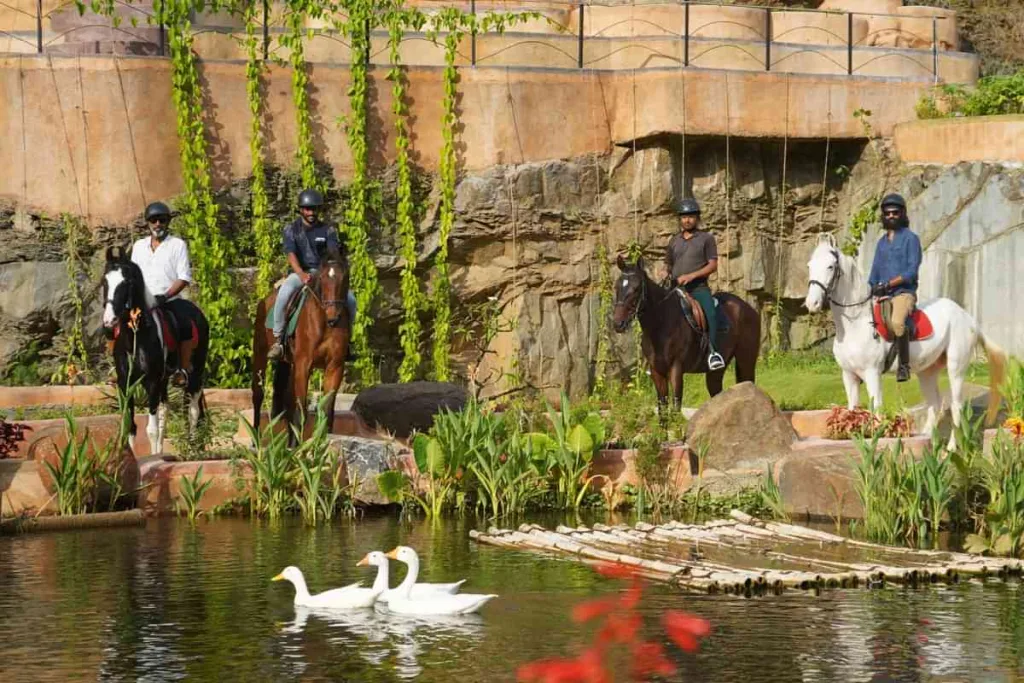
x=591 y=610
x=631 y=597
x=619 y=628
x=586 y=668
x=649 y=659
x=616 y=571
x=685 y=629
x=502 y=458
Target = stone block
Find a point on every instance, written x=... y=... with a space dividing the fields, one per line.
x=364 y=459
x=161 y=483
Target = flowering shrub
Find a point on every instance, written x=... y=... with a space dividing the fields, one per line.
x=10 y=434
x=621 y=625
x=1015 y=426
x=843 y=423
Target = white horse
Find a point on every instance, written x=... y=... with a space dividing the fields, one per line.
x=835 y=279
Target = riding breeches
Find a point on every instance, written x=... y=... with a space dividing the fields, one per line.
x=291 y=285
x=702 y=295
x=902 y=306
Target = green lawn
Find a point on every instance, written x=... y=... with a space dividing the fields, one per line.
x=806 y=381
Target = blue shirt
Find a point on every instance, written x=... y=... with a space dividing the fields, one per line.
x=901 y=256
x=302 y=242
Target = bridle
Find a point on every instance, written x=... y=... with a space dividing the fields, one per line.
x=827 y=289
x=638 y=307
x=325 y=303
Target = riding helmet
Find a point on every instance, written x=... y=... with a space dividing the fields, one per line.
x=157 y=209
x=310 y=199
x=688 y=206
x=894 y=200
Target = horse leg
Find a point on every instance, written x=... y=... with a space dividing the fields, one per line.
x=873 y=380
x=713 y=381
x=153 y=426
x=675 y=379
x=956 y=369
x=259 y=366
x=300 y=393
x=929 y=380
x=851 y=382
x=332 y=382
x=660 y=386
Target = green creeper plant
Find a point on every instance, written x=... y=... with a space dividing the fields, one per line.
x=604 y=313
x=77 y=359
x=297 y=11
x=267 y=247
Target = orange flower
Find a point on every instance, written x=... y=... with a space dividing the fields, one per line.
x=1015 y=425
x=684 y=629
x=586 y=668
x=649 y=659
x=133 y=321
x=593 y=609
x=616 y=571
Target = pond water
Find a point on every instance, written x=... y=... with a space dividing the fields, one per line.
x=169 y=602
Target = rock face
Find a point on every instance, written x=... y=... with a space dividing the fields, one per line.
x=366 y=458
x=526 y=240
x=48 y=443
x=743 y=430
x=400 y=409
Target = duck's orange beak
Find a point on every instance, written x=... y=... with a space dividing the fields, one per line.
x=393 y=554
x=363 y=562
x=279 y=577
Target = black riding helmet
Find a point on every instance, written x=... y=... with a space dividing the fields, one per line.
x=310 y=199
x=158 y=210
x=894 y=200
x=688 y=207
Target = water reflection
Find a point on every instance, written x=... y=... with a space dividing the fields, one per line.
x=171 y=602
x=378 y=635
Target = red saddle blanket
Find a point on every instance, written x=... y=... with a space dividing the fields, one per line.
x=170 y=337
x=920 y=324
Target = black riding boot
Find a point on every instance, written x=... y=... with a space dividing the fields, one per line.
x=903 y=347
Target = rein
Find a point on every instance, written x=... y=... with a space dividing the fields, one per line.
x=832 y=283
x=324 y=303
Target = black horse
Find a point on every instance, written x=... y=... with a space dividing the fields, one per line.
x=670 y=344
x=141 y=344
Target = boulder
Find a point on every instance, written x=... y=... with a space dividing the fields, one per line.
x=364 y=459
x=401 y=409
x=47 y=445
x=742 y=428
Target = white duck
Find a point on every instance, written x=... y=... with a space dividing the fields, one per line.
x=347 y=597
x=439 y=603
x=419 y=590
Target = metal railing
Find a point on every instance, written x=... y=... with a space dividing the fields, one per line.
x=697 y=41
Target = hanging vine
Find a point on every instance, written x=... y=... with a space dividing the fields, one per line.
x=77 y=359
x=363 y=269
x=294 y=39
x=604 y=314
x=265 y=237
x=412 y=297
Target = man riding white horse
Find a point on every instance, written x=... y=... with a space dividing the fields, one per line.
x=167 y=271
x=894 y=274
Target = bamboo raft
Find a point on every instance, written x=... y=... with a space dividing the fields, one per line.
x=746 y=556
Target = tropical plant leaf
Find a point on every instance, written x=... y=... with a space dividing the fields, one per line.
x=594 y=425
x=580 y=442
x=392 y=485
x=976 y=544
x=1003 y=545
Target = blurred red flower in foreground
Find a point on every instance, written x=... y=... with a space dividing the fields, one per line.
x=621 y=625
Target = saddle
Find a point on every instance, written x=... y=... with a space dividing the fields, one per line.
x=694 y=313
x=919 y=325
x=291 y=311
x=171 y=330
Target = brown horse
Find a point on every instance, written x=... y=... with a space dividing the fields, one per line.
x=670 y=344
x=321 y=341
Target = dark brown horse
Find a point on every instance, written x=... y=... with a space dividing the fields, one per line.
x=321 y=341
x=670 y=344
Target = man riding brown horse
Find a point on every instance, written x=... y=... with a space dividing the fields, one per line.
x=691 y=258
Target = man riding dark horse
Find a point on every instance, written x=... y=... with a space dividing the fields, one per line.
x=691 y=257
x=166 y=269
x=303 y=240
x=894 y=274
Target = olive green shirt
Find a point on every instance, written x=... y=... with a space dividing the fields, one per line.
x=690 y=255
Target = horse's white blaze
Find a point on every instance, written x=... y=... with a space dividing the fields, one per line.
x=330 y=273
x=861 y=355
x=114 y=280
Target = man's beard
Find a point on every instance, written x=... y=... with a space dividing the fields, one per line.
x=892 y=223
x=159 y=233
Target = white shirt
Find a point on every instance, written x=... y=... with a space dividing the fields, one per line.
x=161 y=268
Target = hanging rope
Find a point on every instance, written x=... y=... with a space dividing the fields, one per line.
x=636 y=174
x=777 y=323
x=85 y=128
x=67 y=137
x=728 y=184
x=824 y=172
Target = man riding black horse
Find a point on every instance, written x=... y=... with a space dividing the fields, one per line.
x=166 y=269
x=691 y=258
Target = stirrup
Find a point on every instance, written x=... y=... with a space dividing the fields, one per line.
x=715 y=361
x=180 y=377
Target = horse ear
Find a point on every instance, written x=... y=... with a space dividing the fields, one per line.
x=111 y=258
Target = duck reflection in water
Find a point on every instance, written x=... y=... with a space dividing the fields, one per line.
x=379 y=635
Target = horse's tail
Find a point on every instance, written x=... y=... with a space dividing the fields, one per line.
x=997 y=374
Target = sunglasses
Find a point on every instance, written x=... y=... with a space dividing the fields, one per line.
x=158 y=219
x=892 y=214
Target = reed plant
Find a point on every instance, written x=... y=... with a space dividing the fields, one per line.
x=75 y=474
x=191 y=493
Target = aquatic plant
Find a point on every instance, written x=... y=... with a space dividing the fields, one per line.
x=191 y=493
